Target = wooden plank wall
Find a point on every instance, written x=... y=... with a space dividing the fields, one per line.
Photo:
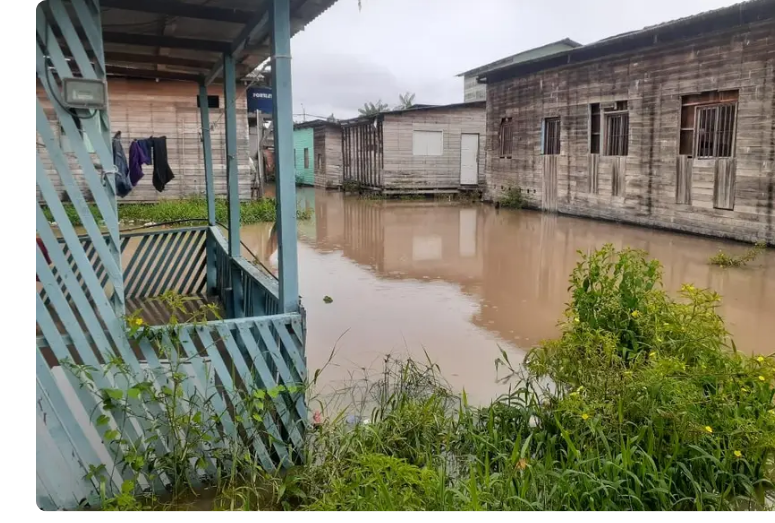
x=404 y=171
x=144 y=108
x=328 y=145
x=363 y=152
x=652 y=81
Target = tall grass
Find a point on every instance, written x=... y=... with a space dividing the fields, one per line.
x=640 y=404
x=253 y=211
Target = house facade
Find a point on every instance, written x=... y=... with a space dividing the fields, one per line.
x=141 y=108
x=323 y=165
x=672 y=126
x=428 y=149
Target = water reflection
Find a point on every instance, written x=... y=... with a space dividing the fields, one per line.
x=459 y=281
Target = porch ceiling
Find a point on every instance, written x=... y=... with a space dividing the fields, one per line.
x=186 y=39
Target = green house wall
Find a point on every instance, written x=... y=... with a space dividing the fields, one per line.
x=304 y=139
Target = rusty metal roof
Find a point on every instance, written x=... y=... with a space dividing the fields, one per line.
x=186 y=39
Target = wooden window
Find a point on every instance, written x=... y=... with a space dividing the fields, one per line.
x=708 y=123
x=551 y=143
x=213 y=101
x=617 y=134
x=427 y=143
x=319 y=164
x=306 y=158
x=594 y=128
x=506 y=138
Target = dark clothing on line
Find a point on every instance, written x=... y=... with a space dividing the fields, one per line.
x=138 y=156
x=162 y=174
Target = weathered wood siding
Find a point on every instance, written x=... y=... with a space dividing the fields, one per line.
x=144 y=108
x=404 y=171
x=362 y=152
x=328 y=157
x=652 y=81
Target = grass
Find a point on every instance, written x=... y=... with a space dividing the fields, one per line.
x=722 y=259
x=642 y=403
x=253 y=211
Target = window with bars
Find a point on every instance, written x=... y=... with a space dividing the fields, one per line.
x=551 y=134
x=708 y=124
x=506 y=138
x=617 y=134
x=594 y=128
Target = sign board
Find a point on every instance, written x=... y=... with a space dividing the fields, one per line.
x=260 y=99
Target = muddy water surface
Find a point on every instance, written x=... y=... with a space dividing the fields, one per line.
x=457 y=282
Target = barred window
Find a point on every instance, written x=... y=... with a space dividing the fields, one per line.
x=708 y=124
x=617 y=134
x=551 y=143
x=506 y=138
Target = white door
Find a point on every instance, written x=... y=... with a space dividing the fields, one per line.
x=469 y=159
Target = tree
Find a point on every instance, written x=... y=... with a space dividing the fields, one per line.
x=372 y=109
x=405 y=101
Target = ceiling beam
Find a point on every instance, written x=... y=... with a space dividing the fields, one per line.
x=153 y=75
x=194 y=44
x=152 y=59
x=172 y=8
x=256 y=30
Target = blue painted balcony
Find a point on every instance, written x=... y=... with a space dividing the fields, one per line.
x=91 y=284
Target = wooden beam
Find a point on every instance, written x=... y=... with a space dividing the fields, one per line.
x=148 y=73
x=152 y=59
x=185 y=10
x=194 y=44
x=256 y=29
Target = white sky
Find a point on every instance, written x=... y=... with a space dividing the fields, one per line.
x=347 y=57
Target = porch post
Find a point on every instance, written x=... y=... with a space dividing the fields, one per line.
x=232 y=178
x=207 y=154
x=283 y=143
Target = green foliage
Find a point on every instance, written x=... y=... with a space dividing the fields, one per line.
x=405 y=101
x=512 y=198
x=373 y=109
x=725 y=260
x=253 y=211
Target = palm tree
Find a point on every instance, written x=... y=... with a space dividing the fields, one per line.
x=372 y=109
x=406 y=101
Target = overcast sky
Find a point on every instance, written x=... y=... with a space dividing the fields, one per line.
x=347 y=57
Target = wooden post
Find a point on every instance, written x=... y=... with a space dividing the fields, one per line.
x=207 y=155
x=283 y=136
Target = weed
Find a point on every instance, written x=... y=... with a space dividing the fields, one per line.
x=722 y=259
x=512 y=198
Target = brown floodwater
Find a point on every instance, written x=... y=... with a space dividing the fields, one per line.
x=458 y=282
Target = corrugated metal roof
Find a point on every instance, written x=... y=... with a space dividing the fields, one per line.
x=522 y=56
x=668 y=32
x=185 y=39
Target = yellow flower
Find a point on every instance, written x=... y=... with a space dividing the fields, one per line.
x=576 y=320
x=744 y=389
x=652 y=354
x=760 y=359
x=585 y=416
x=659 y=340
x=738 y=454
x=761 y=378
x=635 y=314
x=139 y=321
x=522 y=464
x=708 y=429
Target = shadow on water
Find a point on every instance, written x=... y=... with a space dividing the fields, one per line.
x=458 y=281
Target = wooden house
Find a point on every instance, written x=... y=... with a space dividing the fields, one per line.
x=318 y=153
x=672 y=126
x=141 y=108
x=425 y=149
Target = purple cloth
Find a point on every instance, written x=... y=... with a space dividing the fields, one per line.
x=138 y=156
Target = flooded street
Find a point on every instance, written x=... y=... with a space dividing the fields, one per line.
x=460 y=281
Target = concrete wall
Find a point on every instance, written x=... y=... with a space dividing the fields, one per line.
x=652 y=81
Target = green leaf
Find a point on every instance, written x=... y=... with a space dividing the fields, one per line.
x=115 y=394
x=127 y=486
x=102 y=420
x=133 y=393
x=166 y=391
x=259 y=394
x=110 y=435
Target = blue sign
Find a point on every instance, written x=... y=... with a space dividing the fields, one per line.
x=260 y=99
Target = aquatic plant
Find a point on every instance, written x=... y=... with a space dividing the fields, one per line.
x=722 y=259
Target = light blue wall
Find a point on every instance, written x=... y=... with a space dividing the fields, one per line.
x=304 y=139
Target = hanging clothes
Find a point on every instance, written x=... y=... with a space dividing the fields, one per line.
x=162 y=174
x=139 y=155
x=123 y=183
